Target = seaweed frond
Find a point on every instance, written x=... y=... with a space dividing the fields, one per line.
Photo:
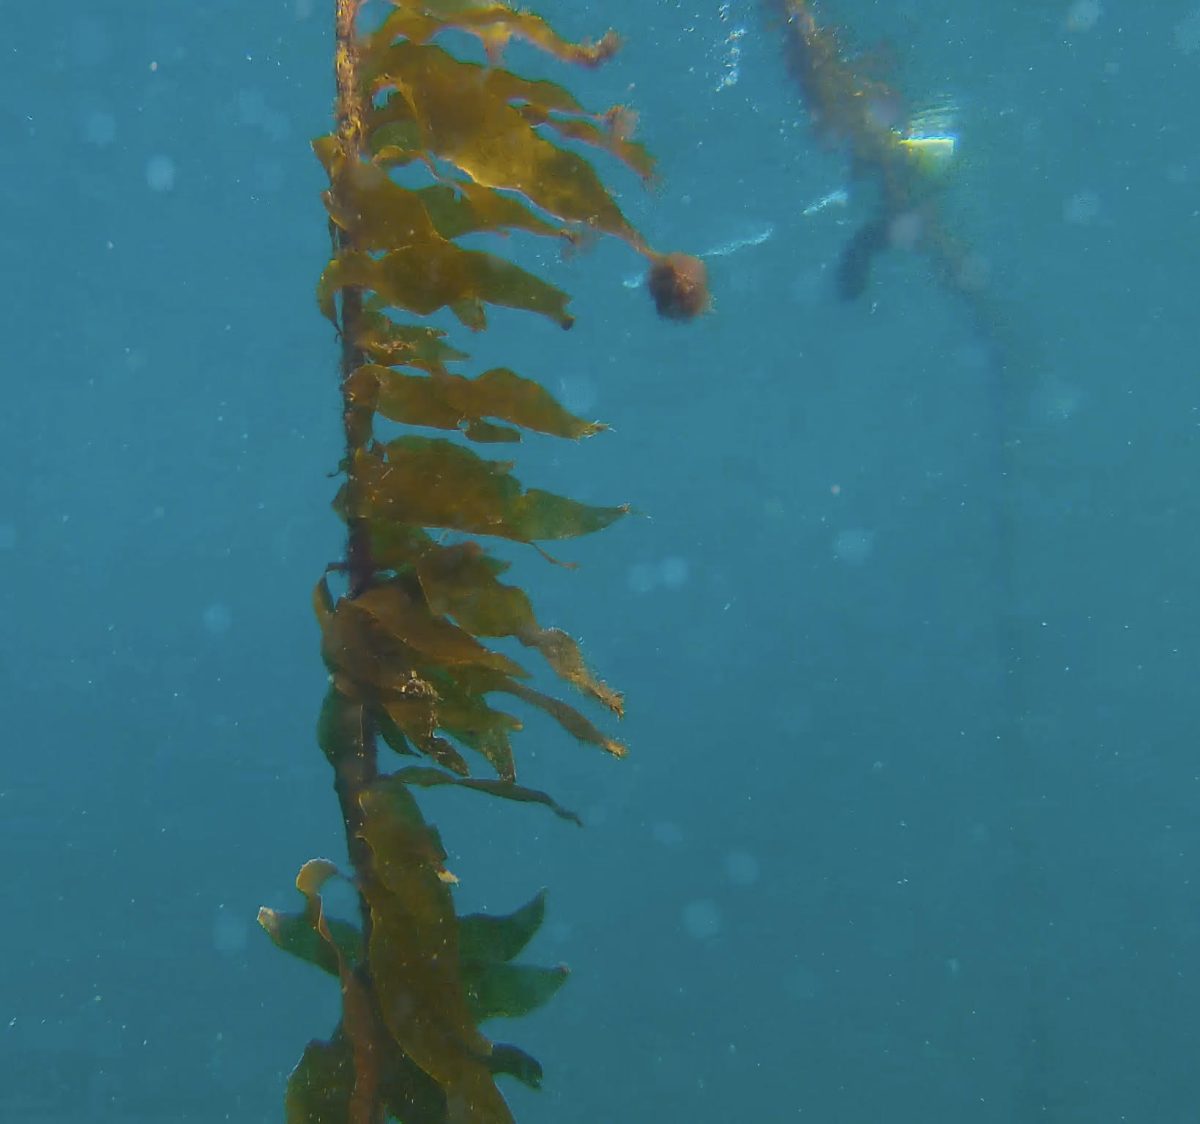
x=431 y=149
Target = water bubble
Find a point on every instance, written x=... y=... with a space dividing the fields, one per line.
x=733 y=52
x=218 y=619
x=1055 y=401
x=254 y=110
x=1187 y=33
x=741 y=868
x=1083 y=15
x=1083 y=207
x=854 y=546
x=160 y=173
x=642 y=577
x=701 y=919
x=99 y=128
x=667 y=833
x=673 y=572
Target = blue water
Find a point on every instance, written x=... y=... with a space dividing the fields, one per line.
x=909 y=629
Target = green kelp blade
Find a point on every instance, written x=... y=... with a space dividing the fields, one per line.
x=418 y=728
x=425 y=777
x=465 y=116
x=293 y=932
x=516 y=1063
x=454 y=402
x=501 y=936
x=364 y=1036
x=568 y=718
x=324 y=941
x=509 y=990
x=495 y=24
x=402 y=726
x=465 y=714
x=399 y=616
x=431 y=482
x=375 y=211
x=470 y=208
x=427 y=276
x=381 y=214
x=403 y=345
x=462 y=581
x=438 y=686
x=608 y=132
x=414 y=956
x=319 y=1089
x=562 y=653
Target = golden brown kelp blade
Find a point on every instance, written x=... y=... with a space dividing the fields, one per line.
x=431 y=149
x=486 y=138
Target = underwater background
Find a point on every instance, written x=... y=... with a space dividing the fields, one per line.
x=908 y=621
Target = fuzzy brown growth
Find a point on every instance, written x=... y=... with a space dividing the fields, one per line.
x=678 y=284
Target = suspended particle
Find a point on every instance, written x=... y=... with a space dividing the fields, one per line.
x=1083 y=15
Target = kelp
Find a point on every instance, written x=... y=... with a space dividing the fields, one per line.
x=431 y=148
x=902 y=154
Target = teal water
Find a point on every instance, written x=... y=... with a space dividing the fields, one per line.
x=909 y=627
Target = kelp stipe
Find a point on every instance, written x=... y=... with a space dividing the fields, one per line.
x=429 y=147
